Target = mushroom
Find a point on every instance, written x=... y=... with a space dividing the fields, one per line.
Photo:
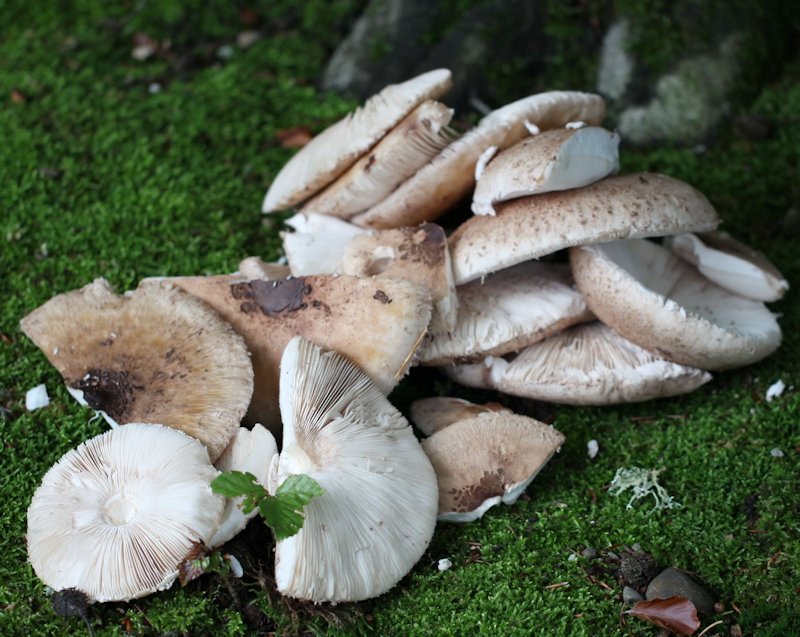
x=655 y=299
x=631 y=206
x=338 y=147
x=115 y=517
x=731 y=264
x=254 y=268
x=558 y=159
x=317 y=244
x=405 y=149
x=584 y=365
x=251 y=451
x=437 y=412
x=487 y=459
x=417 y=254
x=155 y=355
x=378 y=511
x=451 y=174
x=509 y=310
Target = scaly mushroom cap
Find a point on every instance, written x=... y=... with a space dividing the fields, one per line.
x=376 y=323
x=437 y=412
x=558 y=159
x=451 y=174
x=509 y=310
x=378 y=512
x=115 y=517
x=731 y=264
x=317 y=244
x=661 y=303
x=487 y=459
x=588 y=365
x=336 y=148
x=416 y=254
x=405 y=149
x=631 y=206
x=251 y=451
x=155 y=355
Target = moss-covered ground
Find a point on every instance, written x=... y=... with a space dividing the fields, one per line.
x=124 y=169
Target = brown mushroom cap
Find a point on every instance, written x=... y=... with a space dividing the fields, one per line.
x=451 y=174
x=155 y=355
x=663 y=304
x=336 y=148
x=631 y=206
x=487 y=459
x=437 y=412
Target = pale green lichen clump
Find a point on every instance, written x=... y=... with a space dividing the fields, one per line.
x=643 y=483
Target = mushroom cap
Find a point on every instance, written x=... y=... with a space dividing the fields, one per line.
x=115 y=517
x=254 y=268
x=405 y=149
x=251 y=451
x=154 y=355
x=336 y=148
x=376 y=323
x=317 y=244
x=589 y=365
x=417 y=254
x=631 y=206
x=661 y=303
x=557 y=159
x=487 y=459
x=451 y=174
x=378 y=512
x=437 y=412
x=731 y=264
x=512 y=308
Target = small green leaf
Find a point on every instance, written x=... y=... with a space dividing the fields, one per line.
x=284 y=512
x=301 y=486
x=236 y=483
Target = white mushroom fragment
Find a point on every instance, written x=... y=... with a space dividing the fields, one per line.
x=254 y=268
x=451 y=174
x=585 y=365
x=557 y=159
x=317 y=244
x=731 y=264
x=509 y=310
x=435 y=413
x=338 y=147
x=663 y=304
x=115 y=517
x=155 y=355
x=378 y=512
x=631 y=206
x=488 y=459
x=405 y=149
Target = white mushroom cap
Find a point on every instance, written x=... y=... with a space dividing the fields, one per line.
x=336 y=148
x=250 y=451
x=509 y=310
x=588 y=365
x=731 y=264
x=255 y=268
x=451 y=174
x=661 y=303
x=378 y=512
x=154 y=355
x=437 y=412
x=115 y=517
x=487 y=459
x=317 y=244
x=631 y=206
x=557 y=159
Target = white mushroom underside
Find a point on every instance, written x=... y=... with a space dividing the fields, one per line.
x=317 y=244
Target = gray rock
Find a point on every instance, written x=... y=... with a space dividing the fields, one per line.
x=673 y=581
x=589 y=553
x=630 y=596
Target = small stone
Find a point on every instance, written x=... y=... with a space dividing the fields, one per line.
x=225 y=52
x=776 y=452
x=592 y=449
x=636 y=548
x=246 y=39
x=630 y=596
x=736 y=631
x=153 y=88
x=444 y=564
x=775 y=390
x=589 y=553
x=36 y=398
x=673 y=581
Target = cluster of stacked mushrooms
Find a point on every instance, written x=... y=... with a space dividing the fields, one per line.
x=310 y=350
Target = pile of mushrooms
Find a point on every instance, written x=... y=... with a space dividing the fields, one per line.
x=311 y=350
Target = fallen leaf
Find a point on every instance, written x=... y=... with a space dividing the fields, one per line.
x=675 y=613
x=295 y=137
x=194 y=564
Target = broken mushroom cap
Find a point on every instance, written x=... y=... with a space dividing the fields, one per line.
x=378 y=511
x=255 y=268
x=655 y=299
x=487 y=459
x=250 y=451
x=317 y=244
x=336 y=148
x=588 y=365
x=437 y=412
x=451 y=174
x=115 y=517
x=405 y=149
x=558 y=159
x=731 y=264
x=154 y=355
x=631 y=206
x=509 y=310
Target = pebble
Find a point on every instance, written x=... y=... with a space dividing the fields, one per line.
x=630 y=596
x=444 y=564
x=589 y=553
x=673 y=581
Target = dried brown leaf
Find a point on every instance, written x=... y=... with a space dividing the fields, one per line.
x=295 y=137
x=675 y=613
